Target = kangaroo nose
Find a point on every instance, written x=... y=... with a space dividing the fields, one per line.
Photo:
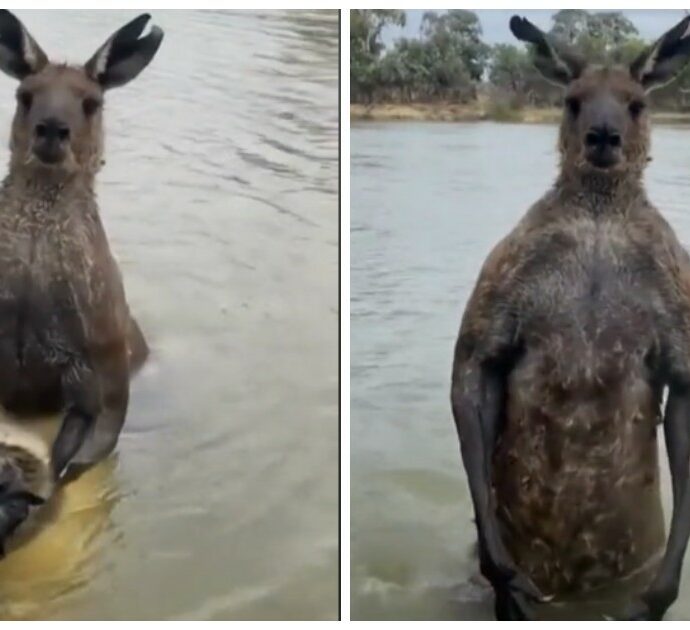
x=602 y=137
x=52 y=129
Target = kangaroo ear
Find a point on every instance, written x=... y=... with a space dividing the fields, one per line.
x=20 y=55
x=557 y=66
x=663 y=60
x=125 y=54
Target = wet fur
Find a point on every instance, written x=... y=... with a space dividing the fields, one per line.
x=579 y=320
x=62 y=302
x=595 y=302
x=67 y=341
x=587 y=311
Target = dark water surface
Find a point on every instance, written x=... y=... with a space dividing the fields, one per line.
x=429 y=201
x=220 y=200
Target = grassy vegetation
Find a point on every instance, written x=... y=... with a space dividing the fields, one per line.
x=453 y=112
x=477 y=111
x=447 y=73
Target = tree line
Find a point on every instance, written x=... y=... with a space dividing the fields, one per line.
x=449 y=61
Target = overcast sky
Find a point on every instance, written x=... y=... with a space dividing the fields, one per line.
x=650 y=23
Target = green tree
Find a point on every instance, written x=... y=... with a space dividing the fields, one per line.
x=366 y=46
x=510 y=67
x=570 y=24
x=366 y=26
x=612 y=27
x=411 y=58
x=457 y=33
x=450 y=61
x=628 y=51
x=599 y=36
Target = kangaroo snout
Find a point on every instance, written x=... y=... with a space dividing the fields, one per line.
x=603 y=146
x=602 y=137
x=51 y=129
x=51 y=138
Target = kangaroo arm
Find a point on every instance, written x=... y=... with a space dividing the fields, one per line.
x=663 y=590
x=477 y=394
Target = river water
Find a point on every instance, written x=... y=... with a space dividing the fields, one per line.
x=220 y=200
x=429 y=201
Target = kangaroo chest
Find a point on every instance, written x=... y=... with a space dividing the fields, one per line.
x=42 y=327
x=577 y=456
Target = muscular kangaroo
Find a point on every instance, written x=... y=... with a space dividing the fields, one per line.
x=578 y=323
x=67 y=340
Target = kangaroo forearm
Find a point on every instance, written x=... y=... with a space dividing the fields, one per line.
x=476 y=407
x=677 y=429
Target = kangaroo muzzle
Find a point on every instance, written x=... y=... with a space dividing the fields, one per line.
x=51 y=140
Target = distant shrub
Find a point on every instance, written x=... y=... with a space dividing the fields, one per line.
x=502 y=110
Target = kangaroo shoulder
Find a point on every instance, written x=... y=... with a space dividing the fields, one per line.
x=487 y=307
x=652 y=231
x=501 y=261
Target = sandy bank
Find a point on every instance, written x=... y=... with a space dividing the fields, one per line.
x=474 y=112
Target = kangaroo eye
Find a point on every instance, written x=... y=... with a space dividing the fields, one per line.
x=90 y=105
x=573 y=105
x=25 y=99
x=636 y=108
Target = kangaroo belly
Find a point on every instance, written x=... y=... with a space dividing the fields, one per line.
x=31 y=382
x=576 y=472
x=34 y=349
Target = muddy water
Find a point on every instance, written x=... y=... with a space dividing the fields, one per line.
x=219 y=197
x=429 y=201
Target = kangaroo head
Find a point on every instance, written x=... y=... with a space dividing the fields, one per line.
x=605 y=124
x=58 y=122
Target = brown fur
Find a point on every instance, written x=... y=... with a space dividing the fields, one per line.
x=67 y=341
x=58 y=202
x=593 y=288
x=71 y=86
x=579 y=321
x=614 y=87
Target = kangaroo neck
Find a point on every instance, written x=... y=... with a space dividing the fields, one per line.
x=601 y=193
x=48 y=184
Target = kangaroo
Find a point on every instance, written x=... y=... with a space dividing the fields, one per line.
x=578 y=323
x=67 y=341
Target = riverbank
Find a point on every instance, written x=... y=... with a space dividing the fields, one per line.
x=476 y=112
